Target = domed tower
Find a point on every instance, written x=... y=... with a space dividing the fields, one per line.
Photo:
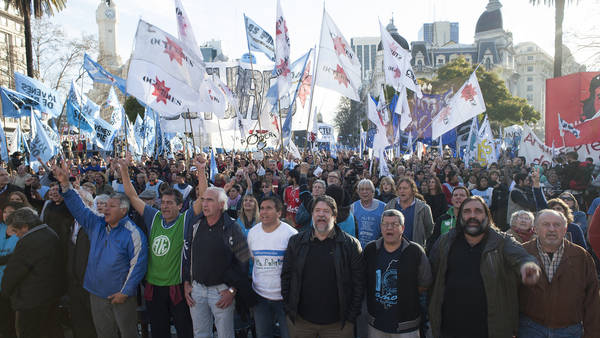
x=378 y=75
x=490 y=22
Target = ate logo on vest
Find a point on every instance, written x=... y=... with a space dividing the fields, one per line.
x=161 y=245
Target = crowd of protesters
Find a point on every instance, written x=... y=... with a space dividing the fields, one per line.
x=311 y=247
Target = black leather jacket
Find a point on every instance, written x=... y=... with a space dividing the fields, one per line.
x=349 y=270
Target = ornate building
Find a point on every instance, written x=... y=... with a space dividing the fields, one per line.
x=12 y=44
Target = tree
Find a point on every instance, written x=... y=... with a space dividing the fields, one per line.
x=349 y=115
x=57 y=58
x=500 y=105
x=559 y=15
x=40 y=7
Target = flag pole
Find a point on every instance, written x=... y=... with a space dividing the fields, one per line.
x=251 y=79
x=221 y=133
x=192 y=130
x=312 y=86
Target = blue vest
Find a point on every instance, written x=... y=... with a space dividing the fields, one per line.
x=368 y=221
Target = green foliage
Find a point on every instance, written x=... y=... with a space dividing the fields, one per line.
x=500 y=105
x=348 y=117
x=133 y=108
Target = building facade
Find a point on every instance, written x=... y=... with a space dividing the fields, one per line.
x=366 y=50
x=12 y=44
x=439 y=33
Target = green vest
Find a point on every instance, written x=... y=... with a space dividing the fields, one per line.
x=164 y=261
x=448 y=223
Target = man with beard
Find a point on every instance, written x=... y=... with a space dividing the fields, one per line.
x=475 y=286
x=521 y=195
x=322 y=277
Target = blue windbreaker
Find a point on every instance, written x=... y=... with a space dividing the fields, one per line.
x=118 y=258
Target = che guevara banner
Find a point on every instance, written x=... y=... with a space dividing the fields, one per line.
x=573 y=109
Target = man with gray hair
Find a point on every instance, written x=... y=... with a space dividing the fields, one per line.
x=32 y=278
x=367 y=211
x=215 y=267
x=521 y=226
x=117 y=261
x=397 y=272
x=565 y=302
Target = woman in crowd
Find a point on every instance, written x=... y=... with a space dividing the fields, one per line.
x=521 y=226
x=579 y=217
x=574 y=233
x=387 y=189
x=483 y=190
x=435 y=197
x=248 y=214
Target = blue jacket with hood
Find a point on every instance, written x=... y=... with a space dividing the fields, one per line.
x=118 y=257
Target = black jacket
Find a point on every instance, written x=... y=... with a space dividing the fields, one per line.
x=349 y=271
x=33 y=273
x=78 y=253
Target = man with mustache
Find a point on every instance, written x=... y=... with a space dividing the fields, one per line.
x=322 y=277
x=475 y=286
x=565 y=302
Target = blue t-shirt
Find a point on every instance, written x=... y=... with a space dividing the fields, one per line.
x=409 y=216
x=348 y=225
x=368 y=221
x=593 y=206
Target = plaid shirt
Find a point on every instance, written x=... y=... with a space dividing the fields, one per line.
x=550 y=265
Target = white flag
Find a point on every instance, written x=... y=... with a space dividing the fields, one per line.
x=212 y=99
x=486 y=150
x=259 y=39
x=465 y=104
x=384 y=170
x=396 y=64
x=282 y=53
x=116 y=109
x=380 y=140
x=338 y=68
x=184 y=28
x=163 y=73
x=403 y=109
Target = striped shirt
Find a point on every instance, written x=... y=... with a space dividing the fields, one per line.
x=550 y=264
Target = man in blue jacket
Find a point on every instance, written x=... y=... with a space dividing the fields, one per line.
x=117 y=261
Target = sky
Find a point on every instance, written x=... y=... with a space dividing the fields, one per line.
x=223 y=20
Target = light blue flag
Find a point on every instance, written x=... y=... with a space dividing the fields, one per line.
x=101 y=75
x=78 y=120
x=145 y=132
x=3 y=144
x=258 y=39
x=104 y=134
x=88 y=107
x=116 y=109
x=286 y=129
x=213 y=165
x=41 y=144
x=49 y=100
x=15 y=104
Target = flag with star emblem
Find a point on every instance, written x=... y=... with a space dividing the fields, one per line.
x=338 y=67
x=184 y=28
x=396 y=64
x=466 y=103
x=164 y=73
x=282 y=53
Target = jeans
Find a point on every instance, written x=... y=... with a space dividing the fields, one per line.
x=530 y=329
x=205 y=309
x=266 y=312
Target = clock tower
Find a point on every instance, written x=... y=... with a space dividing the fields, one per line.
x=107 y=19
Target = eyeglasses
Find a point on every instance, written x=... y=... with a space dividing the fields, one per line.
x=390 y=225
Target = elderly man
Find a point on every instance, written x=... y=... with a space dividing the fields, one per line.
x=117 y=261
x=166 y=229
x=566 y=301
x=474 y=269
x=418 y=221
x=367 y=213
x=521 y=226
x=215 y=266
x=322 y=277
x=33 y=276
x=397 y=271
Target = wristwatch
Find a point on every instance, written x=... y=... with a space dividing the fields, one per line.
x=231 y=290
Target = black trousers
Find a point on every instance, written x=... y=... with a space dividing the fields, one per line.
x=41 y=321
x=161 y=309
x=81 y=313
x=7 y=319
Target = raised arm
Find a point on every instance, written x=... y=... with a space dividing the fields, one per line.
x=134 y=199
x=200 y=164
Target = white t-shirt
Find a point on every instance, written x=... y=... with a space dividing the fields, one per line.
x=267 y=250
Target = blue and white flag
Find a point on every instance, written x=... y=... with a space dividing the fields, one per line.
x=88 y=107
x=75 y=117
x=145 y=132
x=258 y=39
x=15 y=104
x=116 y=109
x=49 y=100
x=42 y=144
x=213 y=165
x=104 y=134
x=101 y=75
x=3 y=144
